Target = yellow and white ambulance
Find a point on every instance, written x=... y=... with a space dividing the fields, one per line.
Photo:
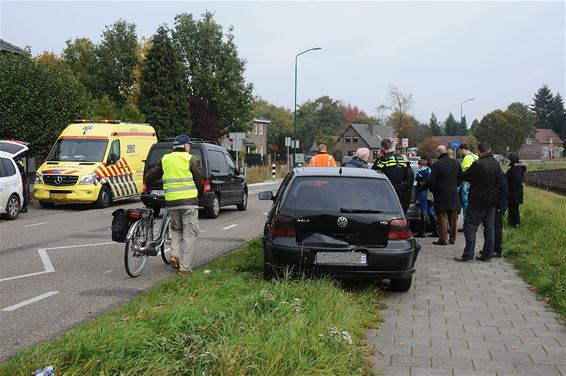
x=95 y=162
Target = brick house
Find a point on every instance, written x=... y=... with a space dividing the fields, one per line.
x=256 y=138
x=544 y=145
x=363 y=135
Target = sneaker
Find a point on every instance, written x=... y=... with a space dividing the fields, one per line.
x=174 y=261
x=463 y=259
x=184 y=272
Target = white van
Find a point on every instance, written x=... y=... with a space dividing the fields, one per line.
x=11 y=185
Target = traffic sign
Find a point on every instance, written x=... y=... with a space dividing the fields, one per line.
x=455 y=144
x=396 y=141
x=287 y=141
x=405 y=143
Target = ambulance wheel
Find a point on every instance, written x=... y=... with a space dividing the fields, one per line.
x=46 y=205
x=104 y=198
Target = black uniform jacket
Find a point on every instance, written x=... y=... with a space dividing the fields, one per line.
x=443 y=182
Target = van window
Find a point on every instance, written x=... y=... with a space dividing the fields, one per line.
x=218 y=162
x=157 y=153
x=9 y=169
x=114 y=150
x=2 y=170
x=230 y=162
x=77 y=150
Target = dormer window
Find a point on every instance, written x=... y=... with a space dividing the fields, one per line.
x=529 y=141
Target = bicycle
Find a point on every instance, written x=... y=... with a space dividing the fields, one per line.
x=140 y=241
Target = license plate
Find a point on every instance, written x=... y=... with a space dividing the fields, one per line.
x=58 y=196
x=157 y=192
x=337 y=258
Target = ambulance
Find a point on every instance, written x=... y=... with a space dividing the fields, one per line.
x=94 y=162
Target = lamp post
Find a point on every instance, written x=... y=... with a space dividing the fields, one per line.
x=295 y=108
x=462 y=116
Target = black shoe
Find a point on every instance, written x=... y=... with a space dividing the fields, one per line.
x=498 y=255
x=433 y=235
x=463 y=259
x=438 y=242
x=460 y=230
x=481 y=258
x=23 y=210
x=451 y=241
x=419 y=235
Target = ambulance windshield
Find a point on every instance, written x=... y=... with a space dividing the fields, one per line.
x=78 y=150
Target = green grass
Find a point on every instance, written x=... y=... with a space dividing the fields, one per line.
x=259 y=174
x=539 y=166
x=226 y=322
x=538 y=247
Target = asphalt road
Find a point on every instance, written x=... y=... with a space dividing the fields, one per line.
x=59 y=267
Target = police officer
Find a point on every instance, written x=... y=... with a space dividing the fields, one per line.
x=397 y=169
x=182 y=183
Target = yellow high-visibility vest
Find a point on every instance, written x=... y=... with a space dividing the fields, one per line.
x=178 y=182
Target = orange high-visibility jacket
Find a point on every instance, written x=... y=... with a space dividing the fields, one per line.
x=322 y=160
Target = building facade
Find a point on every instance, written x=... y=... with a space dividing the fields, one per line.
x=545 y=144
x=363 y=136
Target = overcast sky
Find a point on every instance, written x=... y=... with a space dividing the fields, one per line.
x=441 y=52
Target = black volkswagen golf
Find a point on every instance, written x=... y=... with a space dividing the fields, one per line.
x=346 y=222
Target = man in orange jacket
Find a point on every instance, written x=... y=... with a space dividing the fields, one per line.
x=322 y=159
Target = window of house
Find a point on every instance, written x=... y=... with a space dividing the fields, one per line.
x=256 y=128
x=348 y=139
x=261 y=150
x=355 y=139
x=529 y=141
x=350 y=153
x=261 y=129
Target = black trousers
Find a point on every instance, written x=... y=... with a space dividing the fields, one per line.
x=514 y=215
x=498 y=229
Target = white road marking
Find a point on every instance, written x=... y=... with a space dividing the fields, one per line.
x=265 y=183
x=47 y=265
x=35 y=224
x=229 y=227
x=266 y=213
x=108 y=271
x=30 y=301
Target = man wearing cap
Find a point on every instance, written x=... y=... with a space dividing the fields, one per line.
x=182 y=183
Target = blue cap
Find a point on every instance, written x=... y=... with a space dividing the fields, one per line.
x=181 y=140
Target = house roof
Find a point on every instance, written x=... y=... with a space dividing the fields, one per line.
x=545 y=135
x=372 y=134
x=9 y=47
x=261 y=120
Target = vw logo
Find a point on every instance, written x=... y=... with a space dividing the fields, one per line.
x=58 y=180
x=342 y=222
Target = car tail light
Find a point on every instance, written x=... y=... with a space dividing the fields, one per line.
x=134 y=215
x=399 y=229
x=284 y=226
x=207 y=183
x=145 y=189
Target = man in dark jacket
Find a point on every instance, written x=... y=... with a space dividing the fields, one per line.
x=182 y=183
x=484 y=176
x=443 y=182
x=515 y=176
x=398 y=171
x=360 y=159
x=499 y=213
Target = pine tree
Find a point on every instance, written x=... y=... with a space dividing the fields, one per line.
x=451 y=126
x=463 y=126
x=558 y=117
x=434 y=126
x=475 y=123
x=163 y=92
x=543 y=107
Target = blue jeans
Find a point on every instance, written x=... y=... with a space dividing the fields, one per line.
x=474 y=217
x=424 y=205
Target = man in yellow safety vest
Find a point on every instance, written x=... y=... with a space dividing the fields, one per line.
x=182 y=183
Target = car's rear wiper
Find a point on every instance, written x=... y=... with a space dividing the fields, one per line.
x=351 y=210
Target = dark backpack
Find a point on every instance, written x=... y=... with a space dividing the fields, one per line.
x=120 y=225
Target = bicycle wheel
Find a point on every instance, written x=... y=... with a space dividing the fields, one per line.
x=167 y=241
x=134 y=260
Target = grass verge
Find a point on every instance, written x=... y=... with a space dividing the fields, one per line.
x=226 y=322
x=537 y=248
x=259 y=174
x=539 y=166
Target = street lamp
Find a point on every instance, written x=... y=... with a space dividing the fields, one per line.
x=462 y=116
x=295 y=108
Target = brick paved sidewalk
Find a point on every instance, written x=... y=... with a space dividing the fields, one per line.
x=467 y=319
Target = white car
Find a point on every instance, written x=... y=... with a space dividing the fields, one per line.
x=11 y=185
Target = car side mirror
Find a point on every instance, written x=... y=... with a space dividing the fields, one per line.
x=266 y=195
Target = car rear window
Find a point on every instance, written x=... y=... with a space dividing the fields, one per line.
x=333 y=193
x=157 y=153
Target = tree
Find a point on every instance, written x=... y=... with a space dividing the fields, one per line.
x=204 y=121
x=80 y=56
x=399 y=105
x=543 y=106
x=451 y=126
x=420 y=132
x=434 y=126
x=472 y=143
x=117 y=58
x=38 y=99
x=163 y=92
x=214 y=70
x=351 y=113
x=475 y=123
x=317 y=118
x=427 y=147
x=104 y=108
x=463 y=126
x=502 y=129
x=558 y=117
x=281 y=119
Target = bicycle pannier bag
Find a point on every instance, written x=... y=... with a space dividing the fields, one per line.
x=120 y=225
